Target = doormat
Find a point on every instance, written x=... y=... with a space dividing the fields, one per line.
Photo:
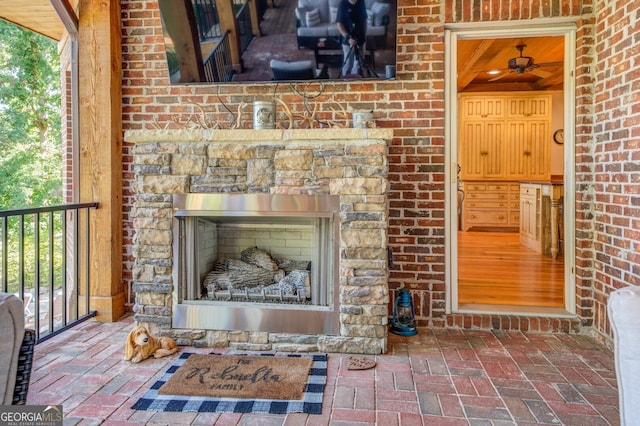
x=264 y=383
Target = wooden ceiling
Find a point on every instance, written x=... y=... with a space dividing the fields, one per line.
x=477 y=57
x=38 y=16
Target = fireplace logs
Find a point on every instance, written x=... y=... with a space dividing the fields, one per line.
x=257 y=277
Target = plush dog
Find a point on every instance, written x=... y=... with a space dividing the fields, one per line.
x=141 y=345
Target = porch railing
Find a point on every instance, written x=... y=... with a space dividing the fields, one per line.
x=44 y=255
x=218 y=66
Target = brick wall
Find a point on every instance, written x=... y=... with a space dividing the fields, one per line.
x=615 y=153
x=413 y=105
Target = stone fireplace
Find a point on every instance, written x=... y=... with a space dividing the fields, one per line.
x=263 y=239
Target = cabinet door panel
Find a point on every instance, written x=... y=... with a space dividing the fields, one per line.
x=528 y=154
x=470 y=150
x=540 y=146
x=518 y=140
x=492 y=154
x=529 y=107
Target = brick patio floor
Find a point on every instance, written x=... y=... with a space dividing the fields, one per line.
x=439 y=377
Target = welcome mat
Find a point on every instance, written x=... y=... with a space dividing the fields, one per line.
x=240 y=376
x=225 y=383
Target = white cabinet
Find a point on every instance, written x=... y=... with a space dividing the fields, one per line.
x=539 y=222
x=530 y=217
x=505 y=136
x=490 y=204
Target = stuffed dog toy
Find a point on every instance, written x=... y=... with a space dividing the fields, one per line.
x=141 y=345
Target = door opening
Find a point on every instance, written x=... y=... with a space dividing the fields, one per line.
x=507 y=95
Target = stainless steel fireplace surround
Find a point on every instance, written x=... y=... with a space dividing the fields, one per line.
x=263 y=211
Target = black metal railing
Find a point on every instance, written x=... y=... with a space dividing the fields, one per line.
x=207 y=19
x=44 y=260
x=218 y=66
x=245 y=30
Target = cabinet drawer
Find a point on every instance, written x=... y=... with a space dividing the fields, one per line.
x=475 y=187
x=527 y=190
x=487 y=205
x=499 y=196
x=497 y=187
x=481 y=217
x=514 y=217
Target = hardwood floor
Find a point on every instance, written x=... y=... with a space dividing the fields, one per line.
x=494 y=269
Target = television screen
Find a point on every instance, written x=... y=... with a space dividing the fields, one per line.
x=278 y=40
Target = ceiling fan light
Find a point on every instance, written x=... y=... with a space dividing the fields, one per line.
x=522 y=61
x=493 y=72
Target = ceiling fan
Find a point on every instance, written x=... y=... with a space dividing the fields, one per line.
x=525 y=64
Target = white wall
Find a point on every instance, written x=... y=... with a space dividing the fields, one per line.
x=557 y=122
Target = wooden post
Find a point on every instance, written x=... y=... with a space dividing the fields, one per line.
x=255 y=19
x=180 y=22
x=100 y=116
x=229 y=23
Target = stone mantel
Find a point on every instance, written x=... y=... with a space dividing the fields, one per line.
x=258 y=136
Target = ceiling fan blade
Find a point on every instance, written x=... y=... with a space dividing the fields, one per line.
x=550 y=64
x=498 y=77
x=492 y=69
x=540 y=73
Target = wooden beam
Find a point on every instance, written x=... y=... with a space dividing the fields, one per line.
x=550 y=82
x=468 y=70
x=100 y=115
x=180 y=22
x=67 y=16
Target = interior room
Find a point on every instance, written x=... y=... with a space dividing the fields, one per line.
x=510 y=98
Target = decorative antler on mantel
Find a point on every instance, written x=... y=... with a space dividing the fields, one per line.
x=290 y=120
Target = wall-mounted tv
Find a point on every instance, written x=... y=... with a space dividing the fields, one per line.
x=216 y=41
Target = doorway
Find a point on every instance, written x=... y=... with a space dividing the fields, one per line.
x=509 y=89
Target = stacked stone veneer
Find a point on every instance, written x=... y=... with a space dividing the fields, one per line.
x=351 y=163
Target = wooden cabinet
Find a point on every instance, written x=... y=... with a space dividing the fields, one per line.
x=539 y=222
x=529 y=153
x=482 y=156
x=505 y=136
x=490 y=204
x=481 y=107
x=528 y=106
x=530 y=217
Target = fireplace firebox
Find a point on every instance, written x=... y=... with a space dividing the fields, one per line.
x=258 y=262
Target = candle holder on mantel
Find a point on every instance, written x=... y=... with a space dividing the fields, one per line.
x=363 y=119
x=264 y=115
x=404 y=322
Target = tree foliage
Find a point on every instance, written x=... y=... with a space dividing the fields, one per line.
x=30 y=120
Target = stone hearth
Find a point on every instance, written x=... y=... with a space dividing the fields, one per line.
x=349 y=163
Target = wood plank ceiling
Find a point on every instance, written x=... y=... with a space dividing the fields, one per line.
x=477 y=57
x=38 y=16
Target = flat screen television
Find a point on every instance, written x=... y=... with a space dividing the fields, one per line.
x=234 y=41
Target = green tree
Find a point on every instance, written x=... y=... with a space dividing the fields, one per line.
x=30 y=147
x=30 y=120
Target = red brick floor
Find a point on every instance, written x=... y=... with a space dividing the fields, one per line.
x=439 y=377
